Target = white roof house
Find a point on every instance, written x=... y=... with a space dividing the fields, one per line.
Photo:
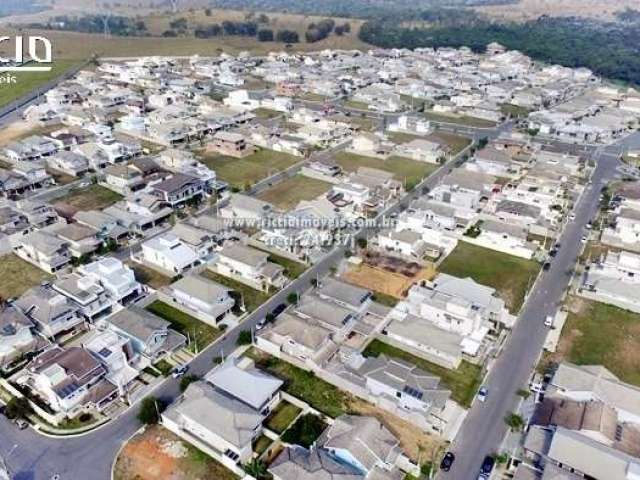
x=114 y=276
x=169 y=253
x=203 y=298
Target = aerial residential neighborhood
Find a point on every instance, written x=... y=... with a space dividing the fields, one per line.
x=320 y=264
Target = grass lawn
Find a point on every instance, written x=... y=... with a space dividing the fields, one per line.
x=455 y=142
x=200 y=333
x=244 y=172
x=460 y=120
x=288 y=193
x=403 y=169
x=304 y=385
x=284 y=414
x=515 y=111
x=356 y=104
x=266 y=113
x=164 y=367
x=463 y=382
x=292 y=269
x=93 y=197
x=305 y=431
x=149 y=276
x=18 y=276
x=252 y=297
x=29 y=81
x=384 y=299
x=511 y=276
x=261 y=444
x=600 y=334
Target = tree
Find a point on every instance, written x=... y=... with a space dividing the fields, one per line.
x=514 y=421
x=17 y=408
x=292 y=298
x=187 y=380
x=150 y=409
x=288 y=36
x=269 y=317
x=208 y=12
x=265 y=35
x=305 y=431
x=257 y=469
x=362 y=243
x=244 y=338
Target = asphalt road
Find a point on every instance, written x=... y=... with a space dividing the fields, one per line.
x=484 y=427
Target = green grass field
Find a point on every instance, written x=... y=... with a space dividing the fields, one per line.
x=241 y=173
x=18 y=276
x=408 y=171
x=284 y=414
x=29 y=81
x=511 y=276
x=600 y=334
x=200 y=333
x=94 y=197
x=288 y=193
x=463 y=382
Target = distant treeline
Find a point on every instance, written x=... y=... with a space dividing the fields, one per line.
x=114 y=25
x=609 y=49
x=348 y=8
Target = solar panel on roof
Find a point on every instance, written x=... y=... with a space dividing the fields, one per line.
x=105 y=352
x=413 y=392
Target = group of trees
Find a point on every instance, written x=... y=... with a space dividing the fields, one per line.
x=609 y=49
x=116 y=25
x=227 y=27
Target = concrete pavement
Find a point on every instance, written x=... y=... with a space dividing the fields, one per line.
x=484 y=428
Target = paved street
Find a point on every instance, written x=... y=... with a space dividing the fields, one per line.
x=484 y=427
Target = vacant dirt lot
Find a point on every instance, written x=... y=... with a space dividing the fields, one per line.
x=159 y=454
x=384 y=281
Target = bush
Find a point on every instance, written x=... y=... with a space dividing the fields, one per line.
x=150 y=409
x=288 y=36
x=17 y=408
x=292 y=298
x=244 y=338
x=187 y=380
x=305 y=431
x=514 y=421
x=265 y=35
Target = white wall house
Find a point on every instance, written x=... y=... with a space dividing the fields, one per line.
x=167 y=252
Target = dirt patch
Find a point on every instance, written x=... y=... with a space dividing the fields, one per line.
x=157 y=453
x=417 y=444
x=531 y=9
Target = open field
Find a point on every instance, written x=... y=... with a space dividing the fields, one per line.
x=408 y=171
x=600 y=334
x=94 y=197
x=18 y=276
x=288 y=193
x=532 y=9
x=252 y=298
x=29 y=81
x=158 y=453
x=244 y=172
x=461 y=120
x=455 y=142
x=201 y=334
x=463 y=382
x=510 y=276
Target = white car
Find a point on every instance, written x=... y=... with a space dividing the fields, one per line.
x=260 y=325
x=548 y=322
x=179 y=371
x=584 y=239
x=483 y=393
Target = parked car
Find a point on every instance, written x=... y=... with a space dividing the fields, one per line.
x=447 y=461
x=548 y=322
x=179 y=371
x=487 y=466
x=279 y=309
x=483 y=393
x=21 y=423
x=260 y=325
x=546 y=266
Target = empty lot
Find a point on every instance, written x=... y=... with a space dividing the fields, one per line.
x=288 y=193
x=18 y=276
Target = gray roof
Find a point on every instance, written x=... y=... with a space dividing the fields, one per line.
x=44 y=305
x=303 y=332
x=324 y=311
x=365 y=438
x=247 y=255
x=297 y=463
x=138 y=322
x=203 y=289
x=518 y=208
x=216 y=412
x=343 y=292
x=250 y=386
x=12 y=319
